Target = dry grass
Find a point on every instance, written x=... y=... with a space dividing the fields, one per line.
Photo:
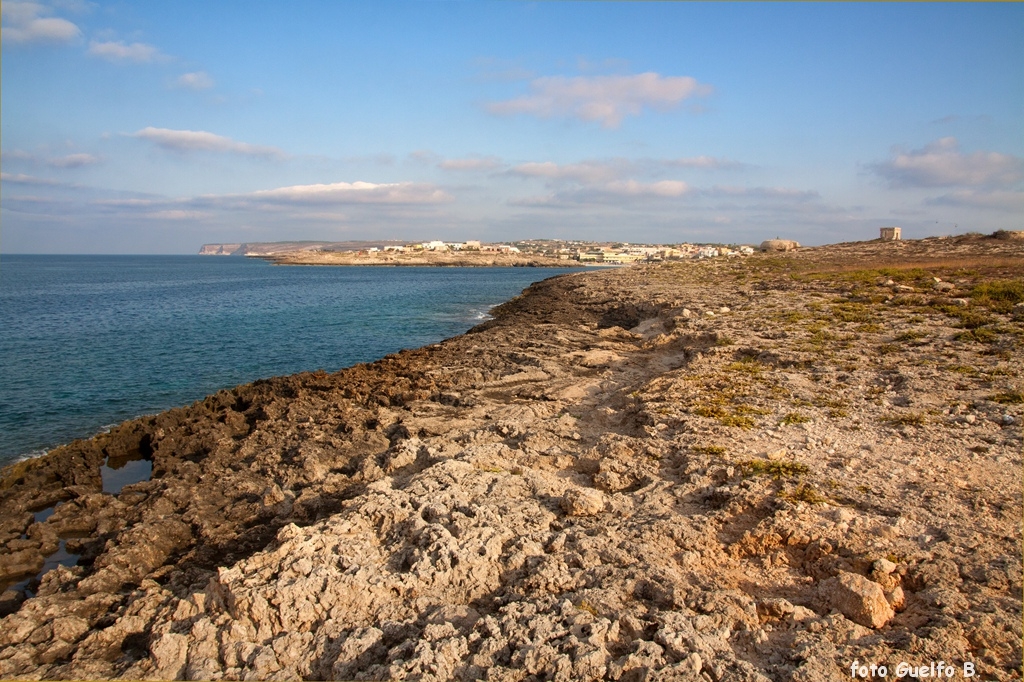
x=1008 y=398
x=716 y=450
x=773 y=468
x=804 y=492
x=911 y=419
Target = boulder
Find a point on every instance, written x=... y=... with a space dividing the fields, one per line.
x=859 y=599
x=779 y=245
x=1009 y=235
x=583 y=502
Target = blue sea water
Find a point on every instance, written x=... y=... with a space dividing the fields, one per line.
x=89 y=341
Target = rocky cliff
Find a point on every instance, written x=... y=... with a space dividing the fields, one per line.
x=757 y=469
x=277 y=248
x=222 y=250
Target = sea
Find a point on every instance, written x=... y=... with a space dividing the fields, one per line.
x=87 y=342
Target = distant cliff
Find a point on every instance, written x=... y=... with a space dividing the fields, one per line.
x=273 y=248
x=222 y=250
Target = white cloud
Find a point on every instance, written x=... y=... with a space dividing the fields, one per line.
x=607 y=99
x=609 y=181
x=584 y=172
x=349 y=193
x=295 y=196
x=470 y=164
x=632 y=192
x=588 y=172
x=620 y=192
x=117 y=51
x=942 y=164
x=24 y=23
x=662 y=188
x=176 y=214
x=780 y=193
x=22 y=179
x=704 y=162
x=73 y=161
x=132 y=203
x=1001 y=200
x=199 y=140
x=198 y=80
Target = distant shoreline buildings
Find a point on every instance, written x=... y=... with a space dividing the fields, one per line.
x=619 y=253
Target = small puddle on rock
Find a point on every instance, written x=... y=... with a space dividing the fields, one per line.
x=62 y=557
x=124 y=473
x=41 y=516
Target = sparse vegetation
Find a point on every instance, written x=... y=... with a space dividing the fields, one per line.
x=774 y=468
x=716 y=450
x=962 y=369
x=909 y=419
x=724 y=417
x=804 y=492
x=999 y=296
x=852 y=312
x=978 y=334
x=911 y=335
x=1008 y=398
x=795 y=418
x=748 y=365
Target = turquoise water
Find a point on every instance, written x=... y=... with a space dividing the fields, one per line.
x=89 y=341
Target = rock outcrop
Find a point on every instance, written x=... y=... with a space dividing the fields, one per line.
x=603 y=482
x=779 y=245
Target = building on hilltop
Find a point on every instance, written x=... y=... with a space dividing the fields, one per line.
x=889 y=234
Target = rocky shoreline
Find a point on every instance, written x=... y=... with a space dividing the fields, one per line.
x=744 y=469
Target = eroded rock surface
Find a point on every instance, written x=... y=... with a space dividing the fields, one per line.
x=603 y=482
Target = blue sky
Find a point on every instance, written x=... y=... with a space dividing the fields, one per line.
x=157 y=127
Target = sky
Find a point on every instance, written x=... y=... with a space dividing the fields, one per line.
x=156 y=127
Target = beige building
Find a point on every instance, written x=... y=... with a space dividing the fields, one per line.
x=889 y=234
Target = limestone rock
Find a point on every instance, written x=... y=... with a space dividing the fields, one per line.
x=779 y=245
x=859 y=599
x=599 y=358
x=583 y=502
x=170 y=654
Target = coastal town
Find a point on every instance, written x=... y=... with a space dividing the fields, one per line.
x=587 y=252
x=533 y=251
